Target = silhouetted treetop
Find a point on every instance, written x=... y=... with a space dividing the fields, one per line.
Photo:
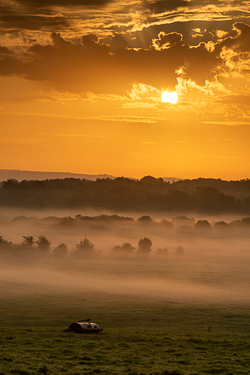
x=144 y=245
x=145 y=219
x=43 y=243
x=149 y=179
x=125 y=249
x=28 y=241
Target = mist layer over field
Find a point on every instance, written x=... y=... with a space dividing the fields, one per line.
x=188 y=264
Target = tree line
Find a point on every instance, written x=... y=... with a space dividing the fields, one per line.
x=147 y=194
x=84 y=248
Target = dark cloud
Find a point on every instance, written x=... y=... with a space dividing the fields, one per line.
x=64 y=3
x=32 y=22
x=5 y=51
x=240 y=42
x=59 y=42
x=161 y=6
x=243 y=39
x=16 y=19
x=91 y=66
x=200 y=64
x=143 y=38
x=37 y=15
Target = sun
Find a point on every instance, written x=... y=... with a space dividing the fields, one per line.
x=169 y=97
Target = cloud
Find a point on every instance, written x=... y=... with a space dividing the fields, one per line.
x=136 y=119
x=236 y=99
x=15 y=17
x=137 y=104
x=240 y=42
x=5 y=51
x=165 y=41
x=221 y=33
x=19 y=141
x=32 y=22
x=92 y=66
x=64 y=3
x=161 y=6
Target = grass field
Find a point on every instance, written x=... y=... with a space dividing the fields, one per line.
x=139 y=337
x=130 y=350
x=147 y=328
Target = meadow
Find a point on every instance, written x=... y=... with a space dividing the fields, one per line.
x=123 y=350
x=160 y=317
x=170 y=313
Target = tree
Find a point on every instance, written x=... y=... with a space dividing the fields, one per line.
x=85 y=247
x=144 y=245
x=167 y=223
x=222 y=227
x=202 y=224
x=145 y=219
x=43 y=243
x=28 y=241
x=179 y=250
x=125 y=249
x=4 y=243
x=61 y=249
x=183 y=220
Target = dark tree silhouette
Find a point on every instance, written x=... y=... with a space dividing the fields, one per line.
x=149 y=193
x=4 y=243
x=144 y=245
x=202 y=224
x=43 y=243
x=125 y=249
x=28 y=241
x=85 y=247
x=167 y=223
x=183 y=220
x=61 y=249
x=145 y=219
x=222 y=226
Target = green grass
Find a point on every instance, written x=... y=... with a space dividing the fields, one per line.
x=140 y=336
x=146 y=350
x=147 y=331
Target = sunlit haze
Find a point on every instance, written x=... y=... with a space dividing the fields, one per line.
x=169 y=97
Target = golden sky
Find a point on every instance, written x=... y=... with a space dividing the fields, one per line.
x=81 y=84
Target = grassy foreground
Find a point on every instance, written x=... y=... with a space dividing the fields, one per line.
x=123 y=351
x=139 y=337
x=148 y=328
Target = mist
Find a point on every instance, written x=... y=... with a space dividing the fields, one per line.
x=187 y=263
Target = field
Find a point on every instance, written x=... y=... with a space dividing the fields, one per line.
x=160 y=316
x=172 y=312
x=124 y=350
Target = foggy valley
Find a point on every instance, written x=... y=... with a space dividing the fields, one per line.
x=190 y=260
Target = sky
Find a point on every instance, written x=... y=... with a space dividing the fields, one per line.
x=81 y=84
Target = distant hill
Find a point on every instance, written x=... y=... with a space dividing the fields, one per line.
x=6 y=174
x=17 y=174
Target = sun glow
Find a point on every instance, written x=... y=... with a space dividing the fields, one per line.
x=169 y=97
